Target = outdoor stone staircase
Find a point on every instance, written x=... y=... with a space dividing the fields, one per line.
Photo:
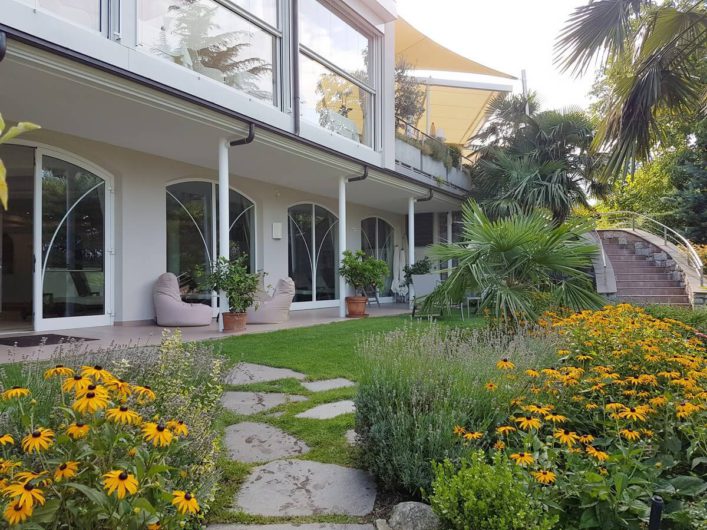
x=644 y=273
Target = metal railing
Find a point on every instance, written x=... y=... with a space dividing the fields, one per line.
x=634 y=220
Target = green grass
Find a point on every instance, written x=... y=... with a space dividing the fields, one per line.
x=321 y=352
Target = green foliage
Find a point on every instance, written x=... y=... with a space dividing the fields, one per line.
x=512 y=261
x=409 y=94
x=419 y=382
x=11 y=133
x=233 y=278
x=486 y=496
x=362 y=271
x=423 y=266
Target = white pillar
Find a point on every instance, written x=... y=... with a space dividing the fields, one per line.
x=223 y=216
x=450 y=217
x=342 y=244
x=411 y=242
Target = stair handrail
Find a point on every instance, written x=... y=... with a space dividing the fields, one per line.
x=693 y=258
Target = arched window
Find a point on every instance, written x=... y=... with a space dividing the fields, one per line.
x=313 y=252
x=192 y=231
x=378 y=241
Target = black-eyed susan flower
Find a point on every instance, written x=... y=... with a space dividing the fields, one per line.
x=66 y=470
x=544 y=477
x=157 y=433
x=505 y=429
x=178 y=427
x=58 y=370
x=685 y=409
x=505 y=364
x=78 y=430
x=120 y=482
x=16 y=513
x=24 y=493
x=630 y=434
x=38 y=440
x=538 y=409
x=15 y=392
x=76 y=383
x=458 y=430
x=123 y=415
x=185 y=502
x=490 y=386
x=7 y=465
x=522 y=459
x=565 y=436
x=144 y=392
x=586 y=438
x=94 y=398
x=532 y=373
x=476 y=435
x=528 y=422
x=601 y=456
x=154 y=526
x=97 y=372
x=7 y=439
x=634 y=413
x=41 y=478
x=120 y=388
x=500 y=445
x=556 y=418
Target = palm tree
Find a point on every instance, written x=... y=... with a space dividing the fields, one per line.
x=538 y=159
x=660 y=50
x=513 y=261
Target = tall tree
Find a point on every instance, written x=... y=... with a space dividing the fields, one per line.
x=660 y=51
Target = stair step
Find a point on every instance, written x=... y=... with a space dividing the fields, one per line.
x=646 y=283
x=655 y=299
x=643 y=276
x=655 y=291
x=624 y=268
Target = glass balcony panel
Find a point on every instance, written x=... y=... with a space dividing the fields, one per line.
x=333 y=102
x=265 y=10
x=83 y=12
x=212 y=40
x=329 y=36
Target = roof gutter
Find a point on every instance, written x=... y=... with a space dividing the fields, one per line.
x=428 y=198
x=31 y=40
x=361 y=177
x=248 y=139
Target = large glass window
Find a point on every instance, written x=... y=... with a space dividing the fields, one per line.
x=73 y=240
x=377 y=240
x=84 y=12
x=192 y=231
x=336 y=73
x=313 y=253
x=215 y=41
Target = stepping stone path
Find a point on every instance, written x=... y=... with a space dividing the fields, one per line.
x=299 y=487
x=247 y=373
x=258 y=442
x=328 y=384
x=328 y=411
x=281 y=486
x=248 y=403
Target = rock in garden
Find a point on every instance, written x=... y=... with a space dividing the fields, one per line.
x=328 y=411
x=246 y=373
x=258 y=442
x=247 y=403
x=328 y=384
x=413 y=516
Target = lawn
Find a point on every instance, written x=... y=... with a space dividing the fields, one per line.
x=322 y=352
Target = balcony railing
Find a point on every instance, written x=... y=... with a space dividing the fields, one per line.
x=429 y=156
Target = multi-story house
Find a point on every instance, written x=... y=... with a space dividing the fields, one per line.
x=175 y=129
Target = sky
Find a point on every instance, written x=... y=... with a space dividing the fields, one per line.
x=507 y=35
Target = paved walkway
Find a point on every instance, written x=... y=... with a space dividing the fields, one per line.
x=281 y=485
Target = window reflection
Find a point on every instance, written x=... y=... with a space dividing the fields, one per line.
x=84 y=12
x=265 y=10
x=212 y=40
x=378 y=242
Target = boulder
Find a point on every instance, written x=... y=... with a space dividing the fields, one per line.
x=413 y=516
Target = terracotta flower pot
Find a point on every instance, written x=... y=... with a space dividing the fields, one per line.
x=356 y=306
x=233 y=321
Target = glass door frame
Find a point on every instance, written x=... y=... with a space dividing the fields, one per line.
x=106 y=319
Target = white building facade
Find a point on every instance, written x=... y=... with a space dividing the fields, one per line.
x=174 y=131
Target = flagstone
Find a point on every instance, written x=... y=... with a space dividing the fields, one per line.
x=252 y=442
x=247 y=403
x=328 y=410
x=328 y=384
x=246 y=373
x=310 y=526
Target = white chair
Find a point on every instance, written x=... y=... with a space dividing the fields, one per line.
x=171 y=311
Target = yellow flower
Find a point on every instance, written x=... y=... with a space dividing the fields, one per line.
x=556 y=418
x=505 y=429
x=66 y=470
x=459 y=430
x=613 y=407
x=92 y=399
x=78 y=430
x=532 y=373
x=178 y=427
x=24 y=493
x=685 y=409
x=630 y=434
x=567 y=437
x=16 y=513
x=26 y=476
x=528 y=422
x=144 y=392
x=544 y=476
x=58 y=370
x=6 y=439
x=15 y=392
x=658 y=401
x=634 y=413
x=154 y=526
x=586 y=438
x=98 y=373
x=538 y=409
x=120 y=482
x=500 y=445
x=473 y=435
x=120 y=387
x=76 y=383
x=123 y=415
x=185 y=502
x=522 y=459
x=38 y=440
x=7 y=465
x=132 y=452
x=505 y=364
x=599 y=455
x=157 y=433
x=591 y=406
x=490 y=386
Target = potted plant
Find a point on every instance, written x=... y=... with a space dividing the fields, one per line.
x=239 y=286
x=362 y=272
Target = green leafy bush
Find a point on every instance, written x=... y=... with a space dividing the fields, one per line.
x=231 y=277
x=362 y=271
x=481 y=496
x=418 y=383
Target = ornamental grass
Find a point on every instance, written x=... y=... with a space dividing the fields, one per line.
x=619 y=416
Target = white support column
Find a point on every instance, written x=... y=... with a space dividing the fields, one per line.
x=223 y=216
x=342 y=244
x=411 y=242
x=450 y=217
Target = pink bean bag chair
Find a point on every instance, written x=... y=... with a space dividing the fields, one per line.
x=169 y=308
x=275 y=308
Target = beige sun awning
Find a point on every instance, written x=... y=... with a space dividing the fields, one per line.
x=422 y=53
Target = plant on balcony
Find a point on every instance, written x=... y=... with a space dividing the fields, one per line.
x=409 y=94
x=364 y=273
